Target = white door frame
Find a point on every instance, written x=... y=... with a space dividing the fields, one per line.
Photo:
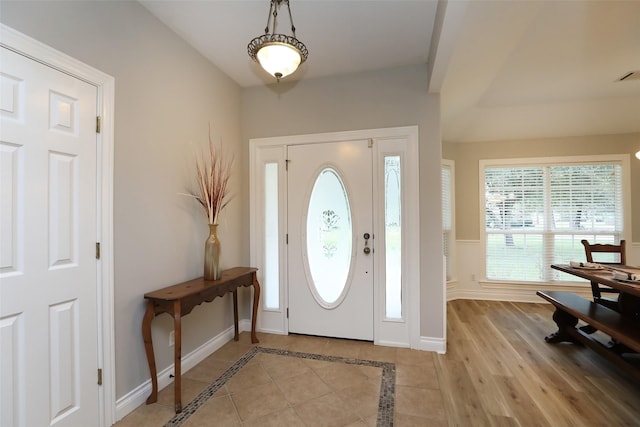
x=105 y=85
x=401 y=141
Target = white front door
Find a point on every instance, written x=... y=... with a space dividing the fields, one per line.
x=330 y=250
x=48 y=270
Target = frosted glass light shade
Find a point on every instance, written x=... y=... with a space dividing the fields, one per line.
x=278 y=54
x=279 y=59
x=638 y=155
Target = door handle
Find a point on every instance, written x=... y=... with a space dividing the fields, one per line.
x=367 y=249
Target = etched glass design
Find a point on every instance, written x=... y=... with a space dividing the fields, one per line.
x=271 y=232
x=393 y=237
x=329 y=237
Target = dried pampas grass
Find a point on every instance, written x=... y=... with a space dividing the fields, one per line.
x=213 y=171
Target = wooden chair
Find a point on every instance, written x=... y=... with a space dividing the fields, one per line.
x=598 y=289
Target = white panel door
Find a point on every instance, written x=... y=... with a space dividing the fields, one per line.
x=330 y=261
x=48 y=270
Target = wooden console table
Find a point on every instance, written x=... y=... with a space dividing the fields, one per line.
x=178 y=300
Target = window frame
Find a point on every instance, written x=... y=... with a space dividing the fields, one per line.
x=622 y=159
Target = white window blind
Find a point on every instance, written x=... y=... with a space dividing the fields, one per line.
x=536 y=216
x=447 y=217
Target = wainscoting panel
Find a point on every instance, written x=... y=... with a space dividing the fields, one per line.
x=469 y=283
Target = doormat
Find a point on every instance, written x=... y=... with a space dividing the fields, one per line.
x=386 y=401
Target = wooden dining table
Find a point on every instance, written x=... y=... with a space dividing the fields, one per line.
x=629 y=299
x=621 y=324
x=604 y=276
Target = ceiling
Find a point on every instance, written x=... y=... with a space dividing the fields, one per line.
x=505 y=69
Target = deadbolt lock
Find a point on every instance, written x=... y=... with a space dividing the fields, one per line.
x=367 y=249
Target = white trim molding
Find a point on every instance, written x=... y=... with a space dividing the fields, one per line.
x=439 y=345
x=633 y=253
x=399 y=141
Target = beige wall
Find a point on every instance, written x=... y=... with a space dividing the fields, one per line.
x=388 y=98
x=467 y=156
x=166 y=94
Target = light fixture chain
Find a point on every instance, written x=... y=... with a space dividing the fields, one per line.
x=293 y=27
x=275 y=14
x=272 y=11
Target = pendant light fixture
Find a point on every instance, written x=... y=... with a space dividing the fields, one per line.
x=279 y=54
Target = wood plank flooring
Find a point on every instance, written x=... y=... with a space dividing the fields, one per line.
x=499 y=371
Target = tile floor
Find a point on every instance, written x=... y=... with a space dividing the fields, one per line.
x=276 y=390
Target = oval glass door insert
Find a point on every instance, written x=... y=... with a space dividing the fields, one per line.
x=329 y=237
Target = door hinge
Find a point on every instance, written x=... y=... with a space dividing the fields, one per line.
x=99 y=376
x=286 y=165
x=97 y=250
x=286 y=239
x=287 y=312
x=370 y=143
x=98 y=124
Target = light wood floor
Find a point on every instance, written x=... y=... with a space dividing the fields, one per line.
x=498 y=370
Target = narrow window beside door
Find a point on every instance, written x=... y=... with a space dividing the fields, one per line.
x=271 y=280
x=393 y=237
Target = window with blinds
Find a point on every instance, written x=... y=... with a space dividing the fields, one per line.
x=447 y=216
x=537 y=215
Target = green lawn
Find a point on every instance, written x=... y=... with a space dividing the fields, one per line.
x=523 y=257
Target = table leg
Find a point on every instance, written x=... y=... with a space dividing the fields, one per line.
x=177 y=324
x=148 y=348
x=629 y=305
x=254 y=317
x=564 y=321
x=236 y=336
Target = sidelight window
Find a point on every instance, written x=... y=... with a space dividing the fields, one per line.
x=271 y=232
x=393 y=237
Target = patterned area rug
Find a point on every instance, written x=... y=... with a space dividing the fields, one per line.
x=386 y=401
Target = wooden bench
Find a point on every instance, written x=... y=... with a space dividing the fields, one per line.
x=624 y=331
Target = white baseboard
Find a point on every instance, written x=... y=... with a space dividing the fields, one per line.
x=439 y=345
x=244 y=325
x=138 y=396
